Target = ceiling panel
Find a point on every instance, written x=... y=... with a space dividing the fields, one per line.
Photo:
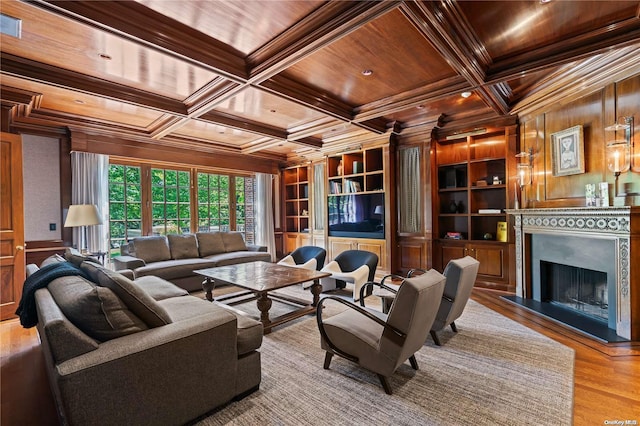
x=519 y=26
x=203 y=130
x=451 y=106
x=245 y=25
x=260 y=106
x=398 y=56
x=84 y=106
x=94 y=52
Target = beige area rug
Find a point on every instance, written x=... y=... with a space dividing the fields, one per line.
x=494 y=371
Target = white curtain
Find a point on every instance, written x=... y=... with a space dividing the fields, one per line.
x=318 y=197
x=265 y=234
x=90 y=185
x=410 y=193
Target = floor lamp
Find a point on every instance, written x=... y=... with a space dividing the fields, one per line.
x=82 y=215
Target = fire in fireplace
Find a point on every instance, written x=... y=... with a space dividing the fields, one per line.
x=579 y=290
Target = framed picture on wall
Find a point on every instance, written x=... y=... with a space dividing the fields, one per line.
x=567 y=151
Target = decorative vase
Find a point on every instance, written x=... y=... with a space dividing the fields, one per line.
x=460 y=207
x=339 y=168
x=453 y=207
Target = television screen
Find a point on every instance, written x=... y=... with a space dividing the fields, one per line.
x=357 y=215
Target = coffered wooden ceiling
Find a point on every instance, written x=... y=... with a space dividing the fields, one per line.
x=279 y=79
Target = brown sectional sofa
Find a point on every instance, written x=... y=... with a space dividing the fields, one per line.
x=141 y=352
x=174 y=257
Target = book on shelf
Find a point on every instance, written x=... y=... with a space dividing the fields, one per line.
x=453 y=235
x=489 y=211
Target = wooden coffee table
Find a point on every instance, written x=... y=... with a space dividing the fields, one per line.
x=259 y=279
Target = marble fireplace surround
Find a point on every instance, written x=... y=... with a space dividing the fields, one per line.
x=610 y=223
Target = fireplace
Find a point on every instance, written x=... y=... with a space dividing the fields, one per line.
x=573 y=265
x=579 y=290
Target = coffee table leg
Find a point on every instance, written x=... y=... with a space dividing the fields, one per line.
x=316 y=289
x=264 y=304
x=208 y=285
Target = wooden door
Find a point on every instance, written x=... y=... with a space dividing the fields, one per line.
x=491 y=260
x=12 y=258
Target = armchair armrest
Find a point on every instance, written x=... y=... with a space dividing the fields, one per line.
x=371 y=284
x=127 y=262
x=256 y=247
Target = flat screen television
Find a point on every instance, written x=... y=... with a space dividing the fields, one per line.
x=356 y=215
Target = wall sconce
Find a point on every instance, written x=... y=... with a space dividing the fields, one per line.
x=619 y=150
x=524 y=170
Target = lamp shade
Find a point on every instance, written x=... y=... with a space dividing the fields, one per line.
x=82 y=215
x=378 y=210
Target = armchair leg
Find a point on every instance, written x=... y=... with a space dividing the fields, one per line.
x=453 y=327
x=327 y=360
x=434 y=336
x=385 y=384
x=413 y=362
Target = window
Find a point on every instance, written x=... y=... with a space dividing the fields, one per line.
x=213 y=202
x=125 y=204
x=170 y=201
x=150 y=200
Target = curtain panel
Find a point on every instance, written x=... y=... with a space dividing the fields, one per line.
x=265 y=233
x=410 y=220
x=90 y=185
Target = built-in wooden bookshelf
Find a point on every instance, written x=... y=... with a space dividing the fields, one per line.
x=471 y=195
x=296 y=199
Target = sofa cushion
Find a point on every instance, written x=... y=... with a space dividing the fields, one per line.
x=134 y=297
x=210 y=243
x=250 y=331
x=95 y=310
x=183 y=246
x=160 y=289
x=175 y=269
x=152 y=249
x=233 y=241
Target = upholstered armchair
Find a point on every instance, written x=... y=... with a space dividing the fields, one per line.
x=461 y=275
x=353 y=266
x=379 y=342
x=307 y=257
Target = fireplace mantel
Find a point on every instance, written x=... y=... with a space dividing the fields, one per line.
x=619 y=224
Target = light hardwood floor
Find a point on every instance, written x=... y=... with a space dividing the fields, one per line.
x=606 y=386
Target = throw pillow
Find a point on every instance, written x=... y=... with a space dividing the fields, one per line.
x=233 y=241
x=210 y=243
x=183 y=246
x=75 y=257
x=91 y=269
x=152 y=249
x=134 y=297
x=95 y=310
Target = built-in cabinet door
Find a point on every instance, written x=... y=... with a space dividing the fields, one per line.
x=339 y=245
x=413 y=254
x=494 y=261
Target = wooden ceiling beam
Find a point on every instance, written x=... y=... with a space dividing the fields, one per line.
x=443 y=24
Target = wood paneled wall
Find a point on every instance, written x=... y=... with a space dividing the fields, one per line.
x=593 y=112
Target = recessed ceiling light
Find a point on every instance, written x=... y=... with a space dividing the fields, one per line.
x=465 y=94
x=105 y=56
x=272 y=110
x=79 y=101
x=367 y=72
x=545 y=1
x=420 y=107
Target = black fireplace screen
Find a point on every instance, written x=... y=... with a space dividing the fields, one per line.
x=579 y=289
